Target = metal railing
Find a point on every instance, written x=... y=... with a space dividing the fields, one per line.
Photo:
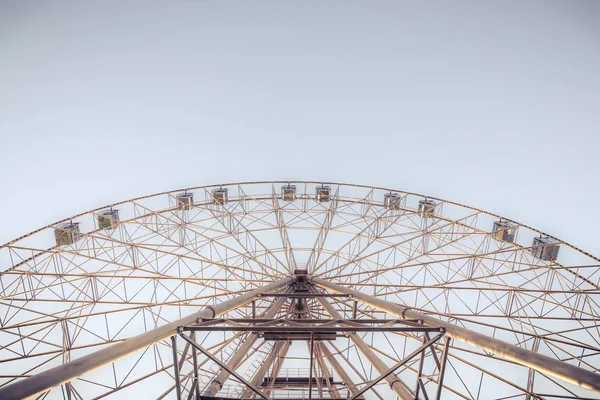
x=233 y=391
x=302 y=393
x=296 y=373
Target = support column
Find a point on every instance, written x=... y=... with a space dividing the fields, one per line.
x=394 y=382
x=176 y=367
x=196 y=386
x=420 y=370
x=551 y=366
x=42 y=382
x=310 y=369
x=442 y=368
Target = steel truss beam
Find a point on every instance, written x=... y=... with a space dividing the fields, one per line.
x=42 y=382
x=536 y=361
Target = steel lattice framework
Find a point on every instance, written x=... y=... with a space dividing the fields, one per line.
x=296 y=290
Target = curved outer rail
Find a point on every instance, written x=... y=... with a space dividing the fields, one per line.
x=539 y=362
x=42 y=382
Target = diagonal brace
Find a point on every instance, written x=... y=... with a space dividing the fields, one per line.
x=398 y=365
x=223 y=365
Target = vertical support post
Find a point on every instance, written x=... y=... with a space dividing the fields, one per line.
x=420 y=372
x=310 y=374
x=355 y=309
x=531 y=376
x=195 y=361
x=254 y=309
x=438 y=395
x=176 y=367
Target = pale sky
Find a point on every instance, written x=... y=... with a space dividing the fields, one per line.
x=492 y=104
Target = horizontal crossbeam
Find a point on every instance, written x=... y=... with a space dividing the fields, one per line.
x=308 y=329
x=302 y=295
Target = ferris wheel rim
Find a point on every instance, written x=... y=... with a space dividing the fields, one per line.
x=363 y=186
x=269 y=192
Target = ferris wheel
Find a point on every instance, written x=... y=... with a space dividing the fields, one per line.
x=296 y=290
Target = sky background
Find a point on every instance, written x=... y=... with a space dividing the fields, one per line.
x=491 y=104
